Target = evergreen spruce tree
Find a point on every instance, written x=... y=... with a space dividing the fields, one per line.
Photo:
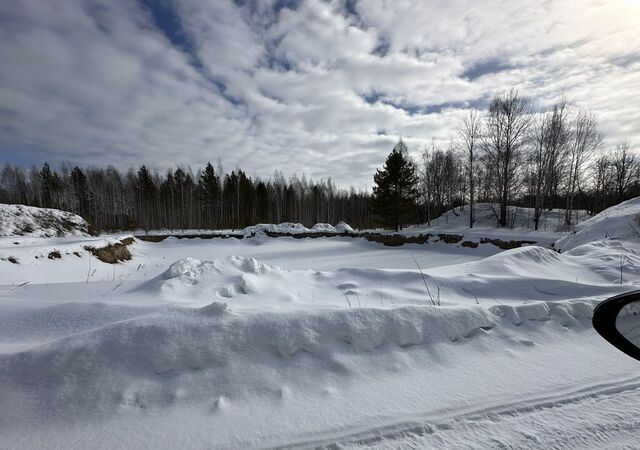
x=146 y=191
x=396 y=189
x=49 y=187
x=210 y=193
x=81 y=194
x=245 y=196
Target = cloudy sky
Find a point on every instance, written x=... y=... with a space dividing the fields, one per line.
x=320 y=87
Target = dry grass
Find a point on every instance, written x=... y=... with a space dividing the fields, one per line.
x=113 y=253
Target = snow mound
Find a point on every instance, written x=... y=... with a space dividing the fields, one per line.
x=20 y=220
x=193 y=280
x=620 y=222
x=538 y=273
x=295 y=228
x=523 y=274
x=323 y=228
x=343 y=227
x=285 y=227
x=190 y=270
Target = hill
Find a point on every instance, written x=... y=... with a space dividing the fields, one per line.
x=618 y=223
x=20 y=220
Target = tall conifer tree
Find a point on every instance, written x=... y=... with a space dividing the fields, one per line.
x=396 y=189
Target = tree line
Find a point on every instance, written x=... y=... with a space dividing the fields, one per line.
x=510 y=155
x=208 y=198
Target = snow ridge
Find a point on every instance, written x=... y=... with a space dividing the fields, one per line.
x=620 y=222
x=166 y=357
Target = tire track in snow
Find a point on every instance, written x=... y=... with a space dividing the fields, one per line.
x=602 y=415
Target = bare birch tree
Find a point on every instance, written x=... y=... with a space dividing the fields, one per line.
x=470 y=134
x=507 y=125
x=625 y=166
x=585 y=140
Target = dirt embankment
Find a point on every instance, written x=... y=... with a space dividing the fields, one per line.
x=113 y=253
x=390 y=240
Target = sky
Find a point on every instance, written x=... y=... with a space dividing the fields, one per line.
x=323 y=88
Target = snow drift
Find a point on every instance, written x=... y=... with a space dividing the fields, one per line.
x=170 y=357
x=20 y=220
x=620 y=222
x=231 y=351
x=523 y=274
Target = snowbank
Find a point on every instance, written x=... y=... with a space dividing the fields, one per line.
x=518 y=218
x=20 y=220
x=343 y=227
x=620 y=222
x=213 y=357
x=296 y=228
x=537 y=273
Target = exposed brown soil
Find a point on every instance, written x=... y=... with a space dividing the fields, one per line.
x=390 y=240
x=113 y=253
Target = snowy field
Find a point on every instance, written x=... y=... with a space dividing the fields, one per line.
x=520 y=224
x=327 y=342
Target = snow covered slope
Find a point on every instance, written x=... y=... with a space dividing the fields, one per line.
x=520 y=224
x=517 y=218
x=328 y=342
x=20 y=220
x=620 y=222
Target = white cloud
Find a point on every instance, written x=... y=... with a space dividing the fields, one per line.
x=286 y=88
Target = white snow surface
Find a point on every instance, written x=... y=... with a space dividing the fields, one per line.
x=620 y=222
x=520 y=224
x=485 y=216
x=20 y=220
x=313 y=343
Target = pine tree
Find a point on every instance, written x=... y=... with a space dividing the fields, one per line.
x=146 y=194
x=49 y=186
x=209 y=187
x=396 y=188
x=81 y=194
x=246 y=199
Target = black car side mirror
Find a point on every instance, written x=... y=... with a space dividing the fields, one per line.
x=618 y=321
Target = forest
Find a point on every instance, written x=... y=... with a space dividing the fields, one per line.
x=510 y=154
x=180 y=198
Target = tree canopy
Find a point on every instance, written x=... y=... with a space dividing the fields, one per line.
x=396 y=187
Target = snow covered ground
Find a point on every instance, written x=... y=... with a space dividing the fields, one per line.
x=520 y=224
x=259 y=229
x=20 y=220
x=326 y=342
